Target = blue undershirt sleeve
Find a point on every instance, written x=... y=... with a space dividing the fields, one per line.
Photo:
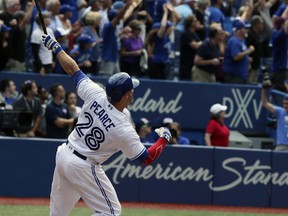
x=77 y=77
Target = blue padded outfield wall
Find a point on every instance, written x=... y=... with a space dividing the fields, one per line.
x=183 y=174
x=186 y=102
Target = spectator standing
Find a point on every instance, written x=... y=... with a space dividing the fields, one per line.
x=282 y=119
x=184 y=10
x=92 y=21
x=159 y=46
x=158 y=11
x=236 y=56
x=94 y=5
x=263 y=8
x=280 y=9
x=43 y=58
x=29 y=57
x=33 y=24
x=110 y=49
x=216 y=132
x=18 y=39
x=82 y=5
x=8 y=93
x=200 y=14
x=58 y=117
x=131 y=50
x=189 y=44
x=213 y=14
x=208 y=58
x=66 y=14
x=29 y=102
x=105 y=7
x=73 y=9
x=279 y=53
x=75 y=28
x=53 y=6
x=4 y=45
x=82 y=54
x=139 y=13
x=12 y=6
x=253 y=39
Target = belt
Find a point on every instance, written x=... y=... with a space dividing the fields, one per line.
x=77 y=153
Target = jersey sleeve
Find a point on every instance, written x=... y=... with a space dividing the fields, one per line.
x=85 y=87
x=130 y=145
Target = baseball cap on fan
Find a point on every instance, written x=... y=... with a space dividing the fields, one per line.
x=239 y=24
x=217 y=108
x=65 y=8
x=118 y=85
x=139 y=123
x=85 y=39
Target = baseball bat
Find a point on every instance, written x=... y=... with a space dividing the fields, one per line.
x=40 y=16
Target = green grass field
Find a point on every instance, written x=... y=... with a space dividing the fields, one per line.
x=18 y=210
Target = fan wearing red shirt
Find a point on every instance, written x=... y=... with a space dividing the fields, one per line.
x=217 y=134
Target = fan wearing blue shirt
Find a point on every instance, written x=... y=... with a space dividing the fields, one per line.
x=281 y=114
x=279 y=53
x=236 y=55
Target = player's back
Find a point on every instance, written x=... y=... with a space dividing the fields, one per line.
x=101 y=129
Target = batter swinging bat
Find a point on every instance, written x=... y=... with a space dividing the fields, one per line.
x=40 y=16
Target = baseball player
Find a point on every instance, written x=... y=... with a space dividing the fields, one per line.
x=102 y=129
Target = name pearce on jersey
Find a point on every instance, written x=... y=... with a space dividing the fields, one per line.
x=102 y=115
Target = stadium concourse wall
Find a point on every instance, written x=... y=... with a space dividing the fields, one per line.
x=185 y=102
x=183 y=174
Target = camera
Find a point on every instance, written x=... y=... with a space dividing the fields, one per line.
x=14 y=120
x=266 y=82
x=173 y=133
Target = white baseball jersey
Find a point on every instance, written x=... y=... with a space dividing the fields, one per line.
x=101 y=129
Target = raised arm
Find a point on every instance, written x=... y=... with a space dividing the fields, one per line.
x=162 y=28
x=265 y=101
x=121 y=13
x=130 y=9
x=67 y=63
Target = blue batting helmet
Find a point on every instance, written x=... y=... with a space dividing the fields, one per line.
x=118 y=85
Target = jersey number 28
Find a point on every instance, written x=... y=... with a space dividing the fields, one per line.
x=95 y=137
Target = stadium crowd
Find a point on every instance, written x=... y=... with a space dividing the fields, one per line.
x=230 y=41
x=198 y=40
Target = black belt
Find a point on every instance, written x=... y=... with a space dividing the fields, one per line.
x=78 y=154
